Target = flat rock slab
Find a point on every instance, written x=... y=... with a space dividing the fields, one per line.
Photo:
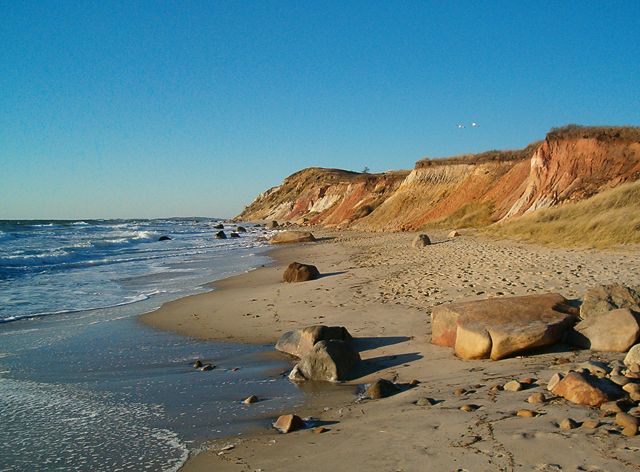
x=500 y=327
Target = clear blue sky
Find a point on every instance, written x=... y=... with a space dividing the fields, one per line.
x=146 y=109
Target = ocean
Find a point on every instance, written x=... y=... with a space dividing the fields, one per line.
x=83 y=384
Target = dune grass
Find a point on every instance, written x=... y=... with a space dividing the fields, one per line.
x=472 y=215
x=610 y=218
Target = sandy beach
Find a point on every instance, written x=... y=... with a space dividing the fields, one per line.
x=383 y=291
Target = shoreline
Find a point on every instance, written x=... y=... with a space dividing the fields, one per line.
x=383 y=290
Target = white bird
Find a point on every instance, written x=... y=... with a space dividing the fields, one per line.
x=460 y=126
x=474 y=125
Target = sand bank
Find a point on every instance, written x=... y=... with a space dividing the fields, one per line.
x=383 y=291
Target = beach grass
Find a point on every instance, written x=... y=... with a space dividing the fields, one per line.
x=608 y=219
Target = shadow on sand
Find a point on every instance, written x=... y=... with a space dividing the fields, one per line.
x=331 y=274
x=366 y=344
x=375 y=364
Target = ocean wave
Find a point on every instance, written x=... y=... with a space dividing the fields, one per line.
x=127 y=301
x=78 y=252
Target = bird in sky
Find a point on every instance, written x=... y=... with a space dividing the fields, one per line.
x=460 y=126
x=474 y=125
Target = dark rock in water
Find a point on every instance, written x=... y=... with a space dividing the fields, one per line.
x=164 y=238
x=197 y=364
x=241 y=229
x=288 y=423
x=206 y=367
x=300 y=341
x=330 y=361
x=221 y=235
x=234 y=235
x=381 y=388
x=218 y=226
x=297 y=272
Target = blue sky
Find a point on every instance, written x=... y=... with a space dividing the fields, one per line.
x=149 y=109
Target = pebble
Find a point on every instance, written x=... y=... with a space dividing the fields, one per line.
x=250 y=399
x=319 y=430
x=536 y=398
x=469 y=407
x=425 y=401
x=526 y=413
x=620 y=379
x=568 y=423
x=459 y=391
x=591 y=424
x=513 y=386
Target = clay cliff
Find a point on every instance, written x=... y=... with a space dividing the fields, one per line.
x=570 y=165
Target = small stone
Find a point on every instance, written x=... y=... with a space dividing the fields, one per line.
x=633 y=389
x=568 y=423
x=536 y=398
x=288 y=423
x=591 y=424
x=459 y=391
x=469 y=407
x=626 y=420
x=249 y=400
x=381 y=388
x=425 y=401
x=414 y=382
x=630 y=431
x=611 y=407
x=319 y=430
x=620 y=379
x=554 y=380
x=497 y=388
x=594 y=367
x=526 y=413
x=528 y=381
x=513 y=386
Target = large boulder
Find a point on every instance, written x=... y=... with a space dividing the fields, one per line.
x=604 y=298
x=221 y=235
x=297 y=272
x=586 y=389
x=613 y=331
x=241 y=229
x=288 y=237
x=499 y=327
x=300 y=341
x=330 y=361
x=421 y=240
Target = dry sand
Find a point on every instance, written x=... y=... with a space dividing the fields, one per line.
x=383 y=291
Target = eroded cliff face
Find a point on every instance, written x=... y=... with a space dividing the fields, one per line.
x=462 y=191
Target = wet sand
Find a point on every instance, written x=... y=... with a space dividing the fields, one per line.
x=383 y=291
